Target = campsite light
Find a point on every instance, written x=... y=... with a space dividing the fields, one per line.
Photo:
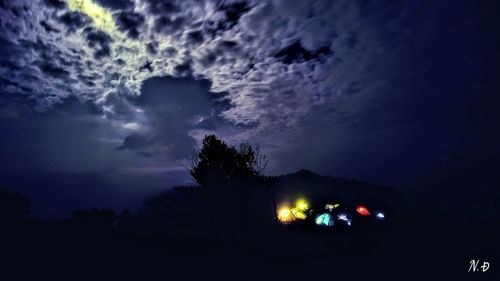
x=363 y=211
x=380 y=216
x=285 y=215
x=330 y=207
x=298 y=214
x=325 y=220
x=345 y=218
x=302 y=205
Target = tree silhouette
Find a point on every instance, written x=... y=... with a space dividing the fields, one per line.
x=218 y=165
x=93 y=221
x=226 y=175
x=13 y=206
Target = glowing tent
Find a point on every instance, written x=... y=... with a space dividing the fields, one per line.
x=380 y=216
x=298 y=214
x=330 y=207
x=363 y=211
x=345 y=218
x=285 y=215
x=302 y=205
x=325 y=219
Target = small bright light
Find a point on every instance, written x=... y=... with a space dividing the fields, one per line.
x=363 y=211
x=285 y=215
x=380 y=216
x=302 y=205
x=329 y=207
x=345 y=218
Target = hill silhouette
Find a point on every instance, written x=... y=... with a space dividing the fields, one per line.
x=182 y=207
x=227 y=224
x=170 y=235
x=317 y=187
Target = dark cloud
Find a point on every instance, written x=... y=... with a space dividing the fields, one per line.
x=169 y=26
x=74 y=20
x=209 y=59
x=352 y=42
x=152 y=47
x=174 y=94
x=53 y=70
x=162 y=7
x=119 y=61
x=233 y=12
x=221 y=53
x=194 y=37
x=295 y=53
x=169 y=52
x=172 y=106
x=116 y=4
x=214 y=122
x=98 y=40
x=183 y=69
x=89 y=79
x=48 y=27
x=227 y=44
x=130 y=23
x=59 y=4
x=118 y=107
x=135 y=142
x=147 y=66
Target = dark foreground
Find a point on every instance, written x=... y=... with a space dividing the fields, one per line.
x=409 y=245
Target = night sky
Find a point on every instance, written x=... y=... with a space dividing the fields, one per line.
x=102 y=102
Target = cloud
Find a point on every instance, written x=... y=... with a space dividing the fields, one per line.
x=233 y=12
x=53 y=70
x=171 y=107
x=67 y=158
x=295 y=53
x=48 y=27
x=116 y=4
x=130 y=23
x=194 y=37
x=98 y=40
x=135 y=142
x=335 y=70
x=74 y=20
x=59 y=4
x=162 y=7
x=169 y=26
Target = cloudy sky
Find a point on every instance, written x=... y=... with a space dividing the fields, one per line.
x=103 y=101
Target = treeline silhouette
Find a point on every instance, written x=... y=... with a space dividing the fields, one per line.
x=227 y=222
x=231 y=182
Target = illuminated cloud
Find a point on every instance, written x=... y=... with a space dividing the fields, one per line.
x=326 y=74
x=101 y=17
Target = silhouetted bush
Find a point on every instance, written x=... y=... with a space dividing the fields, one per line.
x=93 y=220
x=226 y=175
x=14 y=206
x=177 y=210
